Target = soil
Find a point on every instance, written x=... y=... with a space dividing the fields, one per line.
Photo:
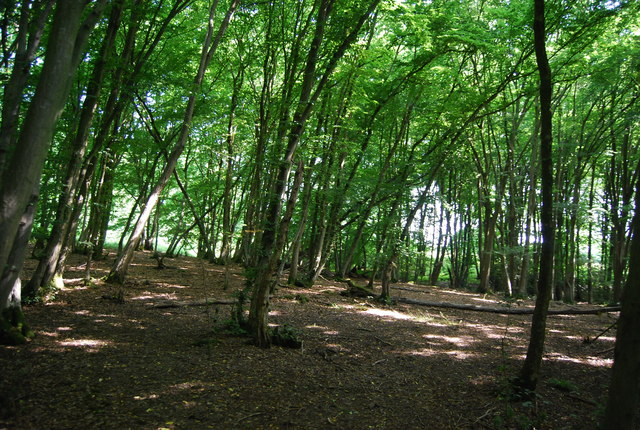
x=107 y=357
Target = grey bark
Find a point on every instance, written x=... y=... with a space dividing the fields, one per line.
x=20 y=183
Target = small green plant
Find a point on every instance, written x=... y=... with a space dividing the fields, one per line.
x=286 y=336
x=234 y=328
x=45 y=293
x=386 y=300
x=301 y=298
x=206 y=341
x=563 y=385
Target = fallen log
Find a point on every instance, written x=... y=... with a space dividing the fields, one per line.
x=507 y=311
x=179 y=304
x=415 y=290
x=354 y=290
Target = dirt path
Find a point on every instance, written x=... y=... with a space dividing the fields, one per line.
x=100 y=363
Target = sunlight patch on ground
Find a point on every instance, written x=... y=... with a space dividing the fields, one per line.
x=316 y=327
x=48 y=333
x=146 y=295
x=74 y=284
x=496 y=332
x=462 y=355
x=176 y=286
x=336 y=348
x=590 y=361
x=148 y=397
x=389 y=314
x=458 y=293
x=479 y=299
x=91 y=345
x=428 y=352
x=456 y=340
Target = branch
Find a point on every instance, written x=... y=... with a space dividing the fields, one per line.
x=508 y=311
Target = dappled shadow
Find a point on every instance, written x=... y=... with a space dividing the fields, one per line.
x=100 y=363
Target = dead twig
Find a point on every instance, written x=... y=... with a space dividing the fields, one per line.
x=255 y=414
x=588 y=340
x=605 y=351
x=587 y=401
x=383 y=341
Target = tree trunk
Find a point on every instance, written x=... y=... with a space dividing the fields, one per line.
x=27 y=44
x=47 y=266
x=227 y=230
x=624 y=391
x=19 y=186
x=529 y=374
x=119 y=270
x=310 y=91
x=390 y=265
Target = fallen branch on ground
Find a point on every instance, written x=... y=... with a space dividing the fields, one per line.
x=507 y=311
x=177 y=304
x=416 y=290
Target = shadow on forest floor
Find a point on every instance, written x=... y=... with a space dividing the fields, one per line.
x=98 y=362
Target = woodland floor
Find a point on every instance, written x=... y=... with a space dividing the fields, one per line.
x=97 y=363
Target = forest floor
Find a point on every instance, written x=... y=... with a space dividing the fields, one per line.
x=98 y=362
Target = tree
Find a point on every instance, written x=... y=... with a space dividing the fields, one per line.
x=209 y=47
x=529 y=373
x=69 y=33
x=624 y=391
x=311 y=87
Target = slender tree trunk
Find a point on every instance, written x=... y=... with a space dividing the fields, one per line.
x=590 y=240
x=572 y=226
x=297 y=241
x=310 y=91
x=441 y=247
x=531 y=208
x=227 y=232
x=391 y=263
x=529 y=374
x=119 y=270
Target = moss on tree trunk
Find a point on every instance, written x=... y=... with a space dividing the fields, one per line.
x=14 y=329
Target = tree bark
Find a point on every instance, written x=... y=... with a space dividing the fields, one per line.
x=19 y=187
x=47 y=266
x=506 y=310
x=27 y=44
x=624 y=391
x=530 y=371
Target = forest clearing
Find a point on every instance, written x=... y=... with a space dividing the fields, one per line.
x=98 y=362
